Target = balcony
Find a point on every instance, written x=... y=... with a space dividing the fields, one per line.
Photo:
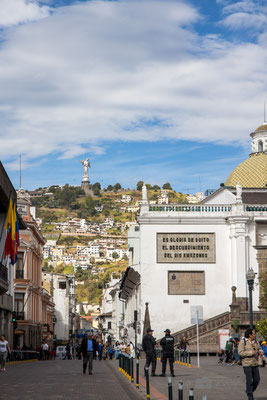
x=20 y=315
x=19 y=274
x=3 y=279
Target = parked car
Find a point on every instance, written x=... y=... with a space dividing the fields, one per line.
x=61 y=353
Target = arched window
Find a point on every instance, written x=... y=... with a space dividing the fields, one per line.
x=260 y=147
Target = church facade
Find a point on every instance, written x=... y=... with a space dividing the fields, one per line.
x=185 y=255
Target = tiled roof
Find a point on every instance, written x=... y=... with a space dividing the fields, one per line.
x=250 y=173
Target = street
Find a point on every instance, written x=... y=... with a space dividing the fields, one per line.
x=42 y=380
x=64 y=379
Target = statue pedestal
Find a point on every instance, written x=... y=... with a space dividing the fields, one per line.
x=87 y=188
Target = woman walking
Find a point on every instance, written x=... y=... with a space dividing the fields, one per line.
x=4 y=348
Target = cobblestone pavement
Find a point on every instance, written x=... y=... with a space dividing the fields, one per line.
x=216 y=381
x=52 y=380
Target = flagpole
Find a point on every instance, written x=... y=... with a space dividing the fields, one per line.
x=2 y=228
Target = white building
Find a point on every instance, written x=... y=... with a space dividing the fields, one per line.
x=192 y=255
x=164 y=197
x=65 y=306
x=126 y=198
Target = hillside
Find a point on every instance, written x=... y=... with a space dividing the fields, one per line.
x=105 y=216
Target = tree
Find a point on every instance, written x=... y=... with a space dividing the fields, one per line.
x=96 y=192
x=261 y=327
x=117 y=187
x=139 y=185
x=167 y=185
x=110 y=188
x=156 y=188
x=148 y=186
x=96 y=186
x=115 y=255
x=263 y=286
x=90 y=206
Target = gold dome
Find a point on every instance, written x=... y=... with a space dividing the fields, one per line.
x=251 y=172
x=261 y=128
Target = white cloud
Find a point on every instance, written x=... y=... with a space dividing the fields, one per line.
x=14 y=12
x=103 y=71
x=244 y=15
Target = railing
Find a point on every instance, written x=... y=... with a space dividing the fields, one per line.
x=209 y=325
x=257 y=208
x=19 y=274
x=212 y=208
x=22 y=355
x=191 y=208
x=3 y=272
x=20 y=315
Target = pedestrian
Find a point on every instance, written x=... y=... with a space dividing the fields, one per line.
x=249 y=351
x=117 y=350
x=167 y=344
x=100 y=350
x=45 y=350
x=148 y=345
x=68 y=352
x=229 y=351
x=110 y=352
x=4 y=350
x=264 y=349
x=183 y=346
x=88 y=347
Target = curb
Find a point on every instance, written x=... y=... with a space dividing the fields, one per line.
x=20 y=362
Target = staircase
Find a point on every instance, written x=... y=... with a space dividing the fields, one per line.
x=208 y=333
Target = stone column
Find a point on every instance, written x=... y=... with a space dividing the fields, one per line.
x=239 y=235
x=262 y=263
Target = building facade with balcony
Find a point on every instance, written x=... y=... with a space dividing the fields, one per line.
x=7 y=191
x=27 y=279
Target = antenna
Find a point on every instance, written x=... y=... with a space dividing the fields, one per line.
x=264 y=112
x=20 y=172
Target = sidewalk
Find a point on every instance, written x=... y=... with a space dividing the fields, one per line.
x=54 y=380
x=216 y=381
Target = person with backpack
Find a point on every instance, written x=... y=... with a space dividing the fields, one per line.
x=249 y=351
x=167 y=344
x=229 y=351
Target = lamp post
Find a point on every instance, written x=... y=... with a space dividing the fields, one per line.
x=250 y=280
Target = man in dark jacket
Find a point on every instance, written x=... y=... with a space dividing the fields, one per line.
x=88 y=347
x=167 y=344
x=149 y=348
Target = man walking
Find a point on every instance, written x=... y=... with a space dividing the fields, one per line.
x=88 y=347
x=249 y=350
x=149 y=348
x=167 y=344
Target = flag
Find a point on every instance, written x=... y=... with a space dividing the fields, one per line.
x=14 y=256
x=10 y=222
x=12 y=239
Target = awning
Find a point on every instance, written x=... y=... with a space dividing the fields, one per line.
x=130 y=280
x=19 y=332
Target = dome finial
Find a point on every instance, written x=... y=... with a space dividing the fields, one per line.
x=264 y=112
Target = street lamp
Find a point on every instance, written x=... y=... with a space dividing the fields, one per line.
x=250 y=280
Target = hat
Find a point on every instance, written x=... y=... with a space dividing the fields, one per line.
x=149 y=330
x=264 y=342
x=167 y=331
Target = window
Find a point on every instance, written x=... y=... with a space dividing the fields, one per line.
x=260 y=146
x=109 y=325
x=62 y=285
x=19 y=302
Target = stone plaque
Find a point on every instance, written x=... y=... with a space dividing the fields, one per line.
x=186 y=282
x=186 y=248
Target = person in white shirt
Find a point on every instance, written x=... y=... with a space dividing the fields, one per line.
x=4 y=349
x=45 y=349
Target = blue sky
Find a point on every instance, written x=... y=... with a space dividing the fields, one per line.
x=153 y=90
